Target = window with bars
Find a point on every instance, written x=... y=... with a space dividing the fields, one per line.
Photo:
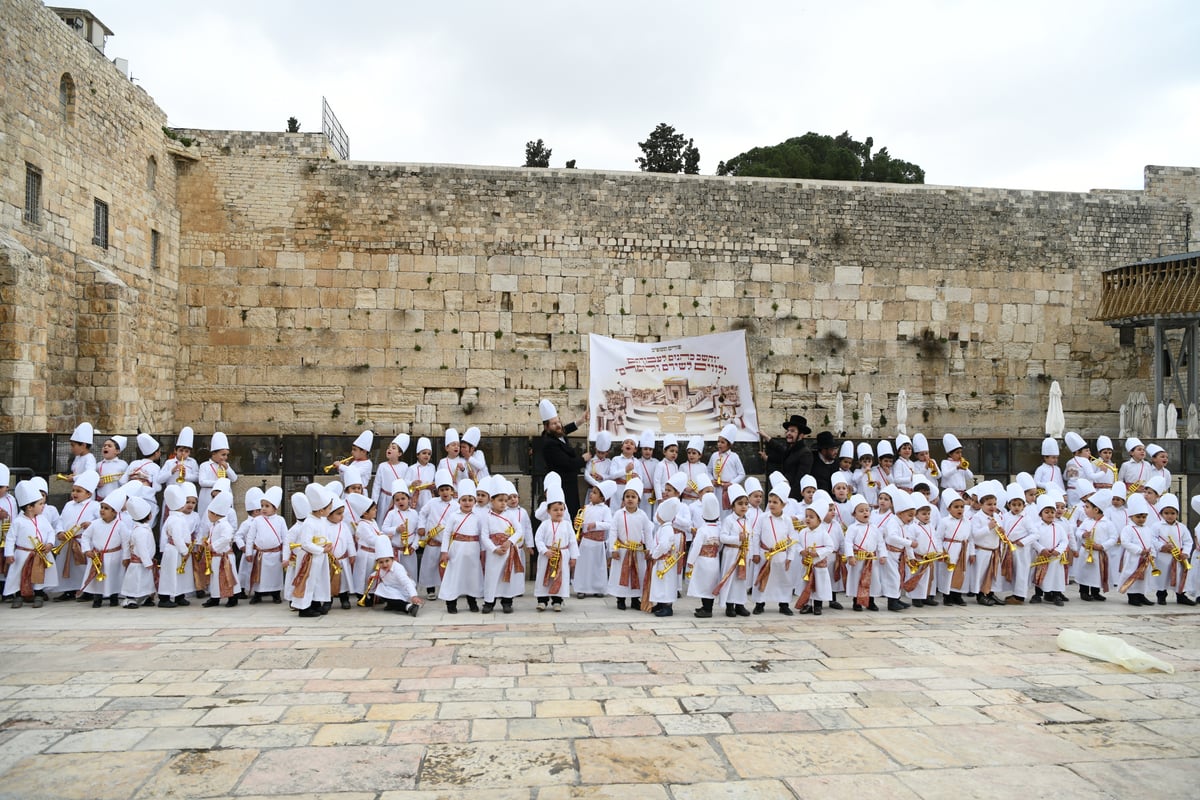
x=100 y=225
x=33 y=194
x=155 y=244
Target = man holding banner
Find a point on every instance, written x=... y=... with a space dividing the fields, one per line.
x=559 y=455
x=792 y=457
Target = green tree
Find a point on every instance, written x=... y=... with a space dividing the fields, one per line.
x=666 y=150
x=813 y=155
x=537 y=154
x=293 y=125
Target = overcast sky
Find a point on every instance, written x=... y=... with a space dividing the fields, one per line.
x=1036 y=95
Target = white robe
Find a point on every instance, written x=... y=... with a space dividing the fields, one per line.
x=107 y=539
x=268 y=543
x=770 y=533
x=815 y=545
x=77 y=516
x=705 y=570
x=316 y=589
x=549 y=536
x=500 y=532
x=23 y=535
x=220 y=543
x=591 y=572
x=627 y=538
x=464 y=573
x=138 y=582
x=736 y=533
x=174 y=542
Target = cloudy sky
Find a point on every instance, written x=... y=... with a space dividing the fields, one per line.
x=1038 y=95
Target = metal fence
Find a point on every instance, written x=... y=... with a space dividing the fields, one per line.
x=334 y=131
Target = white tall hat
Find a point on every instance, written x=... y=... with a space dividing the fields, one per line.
x=1084 y=487
x=222 y=485
x=921 y=480
x=735 y=493
x=1195 y=502
x=1014 y=490
x=1102 y=499
x=335 y=489
x=219 y=441
x=26 y=493
x=147 y=444
x=603 y=441
x=40 y=483
x=950 y=443
x=1131 y=443
x=1050 y=446
x=546 y=410
x=317 y=497
x=710 y=508
x=175 y=497
x=472 y=436
x=120 y=442
x=1074 y=441
x=752 y=485
x=646 y=439
x=806 y=481
x=864 y=449
x=467 y=486
x=920 y=443
x=1158 y=483
x=1026 y=481
x=702 y=481
x=670 y=440
x=1167 y=501
x=485 y=485
x=185 y=438
x=353 y=477
x=365 y=440
x=696 y=443
x=451 y=436
x=336 y=504
x=190 y=489
x=84 y=434
x=88 y=480
x=949 y=496
x=359 y=503
x=729 y=433
x=555 y=493
x=400 y=486
x=781 y=490
x=274 y=496
x=116 y=499
x=819 y=507
x=902 y=440
x=301 y=508
x=253 y=499
x=918 y=502
x=1136 y=504
x=607 y=488
x=5 y=475
x=884 y=448
x=424 y=444
x=1103 y=443
x=667 y=509
x=901 y=502
x=552 y=481
x=678 y=482
x=505 y=486
x=847 y=449
x=776 y=478
x=857 y=500
x=222 y=504
x=442 y=478
x=401 y=442
x=634 y=485
x=1152 y=450
x=138 y=508
x=841 y=477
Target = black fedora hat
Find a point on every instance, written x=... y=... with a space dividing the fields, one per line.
x=826 y=441
x=798 y=422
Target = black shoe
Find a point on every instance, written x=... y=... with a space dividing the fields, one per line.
x=702 y=613
x=620 y=604
x=730 y=611
x=786 y=610
x=149 y=601
x=472 y=604
x=345 y=603
x=1183 y=600
x=231 y=602
x=1058 y=599
x=741 y=611
x=931 y=601
x=97 y=601
x=240 y=596
x=1085 y=594
x=130 y=604
x=256 y=599
x=311 y=611
x=275 y=598
x=182 y=601
x=816 y=608
x=835 y=605
x=664 y=611
x=65 y=596
x=211 y=602
x=1037 y=598
x=1096 y=596
x=413 y=609
x=759 y=607
x=856 y=606
x=895 y=605
x=918 y=603
x=983 y=600
x=201 y=594
x=166 y=604
x=114 y=601
x=488 y=608
x=1162 y=597
x=871 y=605
x=806 y=609
x=995 y=600
x=506 y=608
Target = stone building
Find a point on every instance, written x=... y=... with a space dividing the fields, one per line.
x=257 y=283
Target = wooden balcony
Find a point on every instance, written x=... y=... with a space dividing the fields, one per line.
x=1161 y=289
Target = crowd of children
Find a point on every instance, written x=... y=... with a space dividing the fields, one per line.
x=897 y=527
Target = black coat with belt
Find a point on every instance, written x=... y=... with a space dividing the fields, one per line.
x=564 y=459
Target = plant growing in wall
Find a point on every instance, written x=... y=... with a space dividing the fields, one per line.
x=293 y=125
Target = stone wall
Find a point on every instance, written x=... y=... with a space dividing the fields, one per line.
x=87 y=332
x=325 y=295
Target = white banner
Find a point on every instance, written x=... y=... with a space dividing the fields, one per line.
x=688 y=387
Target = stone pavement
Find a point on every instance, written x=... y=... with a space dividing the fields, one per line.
x=592 y=703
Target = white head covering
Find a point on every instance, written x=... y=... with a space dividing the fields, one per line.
x=901 y=502
x=219 y=441
x=365 y=440
x=1103 y=443
x=950 y=443
x=1168 y=501
x=300 y=505
x=335 y=489
x=1074 y=441
x=920 y=443
x=424 y=444
x=1084 y=487
x=471 y=437
x=504 y=486
x=401 y=486
x=254 y=498
x=353 y=477
x=552 y=481
x=678 y=482
x=120 y=442
x=735 y=493
x=546 y=410
x=841 y=477
x=1131 y=443
x=88 y=480
x=847 y=450
x=752 y=485
x=274 y=496
x=1026 y=481
x=222 y=485
x=5 y=475
x=555 y=494
x=819 y=507
x=147 y=445
x=857 y=500
x=667 y=510
x=1014 y=491
x=1049 y=446
x=317 y=497
x=185 y=438
x=634 y=485
x=401 y=442
x=629 y=437
x=902 y=440
x=222 y=504
x=1152 y=450
x=603 y=442
x=336 y=504
x=175 y=497
x=884 y=448
x=485 y=485
x=917 y=502
x=84 y=434
x=1137 y=504
x=949 y=496
x=696 y=443
x=607 y=488
x=921 y=480
x=40 y=483
x=729 y=433
x=1158 y=483
x=359 y=503
x=189 y=489
x=702 y=481
x=467 y=486
x=443 y=478
x=670 y=440
x=1102 y=499
x=646 y=439
x=451 y=436
x=782 y=491
x=138 y=508
x=116 y=499
x=864 y=449
x=1119 y=489
x=26 y=493
x=710 y=508
x=807 y=481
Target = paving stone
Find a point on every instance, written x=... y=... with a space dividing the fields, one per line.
x=851 y=787
x=198 y=774
x=616 y=791
x=269 y=736
x=1169 y=777
x=975 y=745
x=742 y=790
x=484 y=766
x=693 y=724
x=352 y=733
x=74 y=775
x=430 y=732
x=242 y=715
x=660 y=760
x=113 y=740
x=817 y=753
x=333 y=769
x=1003 y=783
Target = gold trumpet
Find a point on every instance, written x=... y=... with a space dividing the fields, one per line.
x=1154 y=570
x=669 y=562
x=182 y=476
x=321 y=541
x=341 y=463
x=207 y=558
x=1089 y=542
x=374 y=579
x=68 y=535
x=64 y=477
x=39 y=550
x=808 y=559
x=1101 y=464
x=1177 y=554
x=1000 y=532
x=98 y=564
x=578 y=524
x=183 y=562
x=1133 y=488
x=964 y=464
x=933 y=470
x=1071 y=510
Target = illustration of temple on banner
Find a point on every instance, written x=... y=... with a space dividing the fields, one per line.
x=686 y=387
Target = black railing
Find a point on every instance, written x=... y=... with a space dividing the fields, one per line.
x=334 y=131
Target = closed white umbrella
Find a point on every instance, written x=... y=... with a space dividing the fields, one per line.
x=902 y=412
x=1056 y=423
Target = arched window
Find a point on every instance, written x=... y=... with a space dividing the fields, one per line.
x=151 y=173
x=66 y=98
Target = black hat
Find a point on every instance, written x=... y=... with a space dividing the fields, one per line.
x=799 y=423
x=826 y=441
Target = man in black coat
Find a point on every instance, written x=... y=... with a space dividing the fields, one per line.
x=826 y=461
x=792 y=457
x=558 y=454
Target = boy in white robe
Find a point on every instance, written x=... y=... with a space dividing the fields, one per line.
x=266 y=547
x=308 y=589
x=862 y=545
x=214 y=469
x=28 y=550
x=111 y=466
x=103 y=543
x=591 y=572
x=138 y=584
x=504 y=550
x=772 y=547
x=704 y=557
x=813 y=547
x=223 y=582
x=76 y=516
x=391 y=470
x=462 y=571
x=392 y=584
x=174 y=542
x=1174 y=544
x=435 y=518
x=402 y=526
x=627 y=539
x=665 y=553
